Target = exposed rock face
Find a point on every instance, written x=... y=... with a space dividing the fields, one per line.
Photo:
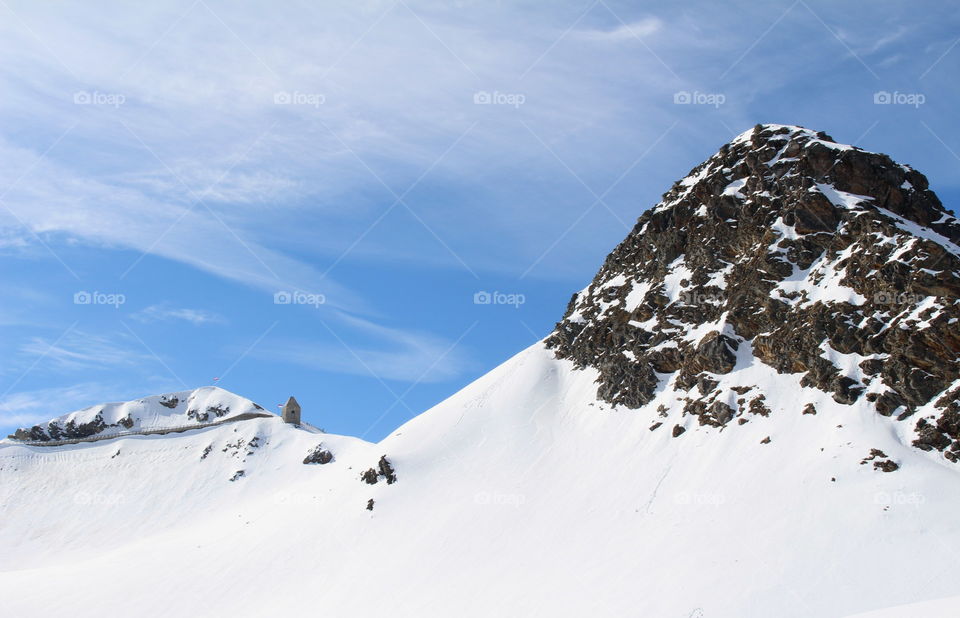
x=169 y=402
x=808 y=255
x=386 y=470
x=880 y=461
x=383 y=470
x=212 y=412
x=318 y=455
x=69 y=430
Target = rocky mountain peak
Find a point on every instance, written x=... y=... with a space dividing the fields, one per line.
x=769 y=155
x=785 y=248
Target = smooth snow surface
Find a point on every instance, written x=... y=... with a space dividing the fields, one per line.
x=519 y=496
x=937 y=608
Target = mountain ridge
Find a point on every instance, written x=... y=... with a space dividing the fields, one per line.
x=195 y=407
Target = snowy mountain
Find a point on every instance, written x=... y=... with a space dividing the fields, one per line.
x=751 y=411
x=813 y=258
x=188 y=409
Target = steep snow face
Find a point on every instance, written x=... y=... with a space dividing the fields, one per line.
x=183 y=409
x=522 y=495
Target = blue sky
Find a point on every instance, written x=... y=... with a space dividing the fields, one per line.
x=378 y=164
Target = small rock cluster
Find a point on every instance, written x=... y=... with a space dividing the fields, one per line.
x=169 y=402
x=384 y=470
x=880 y=461
x=206 y=415
x=318 y=455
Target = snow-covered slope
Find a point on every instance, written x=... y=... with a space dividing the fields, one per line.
x=936 y=608
x=528 y=493
x=522 y=495
x=62 y=503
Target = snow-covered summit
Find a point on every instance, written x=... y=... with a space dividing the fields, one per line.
x=200 y=406
x=842 y=173
x=785 y=132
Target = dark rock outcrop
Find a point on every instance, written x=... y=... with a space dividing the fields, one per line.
x=318 y=455
x=880 y=461
x=68 y=431
x=798 y=251
x=384 y=470
x=169 y=402
x=212 y=412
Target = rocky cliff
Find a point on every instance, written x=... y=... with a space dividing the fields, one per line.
x=812 y=257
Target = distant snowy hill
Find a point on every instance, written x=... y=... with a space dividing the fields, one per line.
x=731 y=420
x=199 y=407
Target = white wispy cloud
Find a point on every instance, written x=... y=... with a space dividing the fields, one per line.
x=80 y=350
x=288 y=188
x=11 y=239
x=625 y=31
x=394 y=100
x=28 y=407
x=165 y=313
